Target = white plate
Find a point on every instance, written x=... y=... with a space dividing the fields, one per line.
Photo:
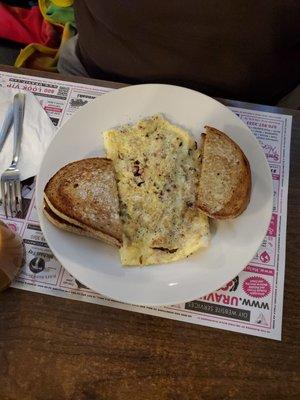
x=233 y=244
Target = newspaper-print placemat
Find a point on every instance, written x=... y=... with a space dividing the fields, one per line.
x=251 y=303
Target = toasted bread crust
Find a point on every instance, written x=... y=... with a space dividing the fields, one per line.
x=225 y=181
x=69 y=227
x=84 y=193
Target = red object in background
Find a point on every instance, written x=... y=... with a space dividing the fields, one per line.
x=27 y=26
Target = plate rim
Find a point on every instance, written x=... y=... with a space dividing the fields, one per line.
x=81 y=110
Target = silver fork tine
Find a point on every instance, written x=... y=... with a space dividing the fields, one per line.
x=18 y=197
x=9 y=184
x=13 y=198
x=4 y=197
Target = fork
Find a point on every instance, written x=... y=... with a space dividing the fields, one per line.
x=10 y=179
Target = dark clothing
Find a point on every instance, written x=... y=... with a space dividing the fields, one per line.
x=246 y=50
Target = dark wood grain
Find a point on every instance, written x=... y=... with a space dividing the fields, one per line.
x=52 y=348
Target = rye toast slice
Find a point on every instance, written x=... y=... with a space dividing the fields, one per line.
x=84 y=195
x=225 y=179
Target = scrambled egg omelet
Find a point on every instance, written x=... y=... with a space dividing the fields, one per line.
x=157 y=170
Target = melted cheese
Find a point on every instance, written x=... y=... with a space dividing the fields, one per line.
x=157 y=174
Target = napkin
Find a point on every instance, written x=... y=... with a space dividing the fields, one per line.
x=38 y=132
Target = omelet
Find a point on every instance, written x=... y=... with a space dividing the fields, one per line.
x=157 y=170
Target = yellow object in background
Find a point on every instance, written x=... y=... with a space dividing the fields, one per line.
x=63 y=3
x=60 y=13
x=57 y=12
x=37 y=56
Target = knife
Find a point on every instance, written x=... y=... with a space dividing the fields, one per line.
x=5 y=128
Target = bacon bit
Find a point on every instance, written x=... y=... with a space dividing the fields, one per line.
x=137 y=170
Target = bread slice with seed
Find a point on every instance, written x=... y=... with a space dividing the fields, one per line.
x=82 y=197
x=225 y=179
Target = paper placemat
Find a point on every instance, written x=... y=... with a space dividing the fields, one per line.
x=251 y=303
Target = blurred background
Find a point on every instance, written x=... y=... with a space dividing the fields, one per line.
x=32 y=31
x=239 y=50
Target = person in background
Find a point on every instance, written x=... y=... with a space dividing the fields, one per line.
x=243 y=50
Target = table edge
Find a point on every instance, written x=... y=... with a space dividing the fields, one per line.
x=113 y=84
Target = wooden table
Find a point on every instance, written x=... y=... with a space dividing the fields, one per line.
x=52 y=348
